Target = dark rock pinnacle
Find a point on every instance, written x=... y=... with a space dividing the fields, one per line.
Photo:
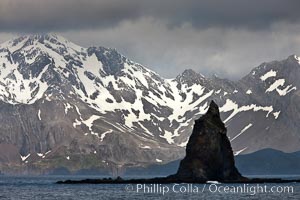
x=209 y=155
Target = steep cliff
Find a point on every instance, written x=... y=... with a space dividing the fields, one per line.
x=209 y=155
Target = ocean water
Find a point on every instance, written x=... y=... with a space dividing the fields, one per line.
x=44 y=188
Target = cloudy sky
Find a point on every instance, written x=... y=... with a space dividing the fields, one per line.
x=226 y=37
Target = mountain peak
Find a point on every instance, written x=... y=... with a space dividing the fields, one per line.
x=188 y=72
x=213 y=109
x=47 y=36
x=294 y=58
x=190 y=76
x=42 y=35
x=49 y=40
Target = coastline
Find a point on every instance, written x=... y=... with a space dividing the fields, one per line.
x=167 y=180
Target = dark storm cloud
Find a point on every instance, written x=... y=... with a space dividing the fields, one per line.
x=230 y=53
x=227 y=37
x=53 y=15
x=228 y=13
x=60 y=15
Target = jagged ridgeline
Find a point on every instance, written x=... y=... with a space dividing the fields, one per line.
x=62 y=105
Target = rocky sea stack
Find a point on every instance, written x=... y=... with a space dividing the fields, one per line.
x=209 y=155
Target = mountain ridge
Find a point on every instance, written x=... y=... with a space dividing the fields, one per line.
x=97 y=105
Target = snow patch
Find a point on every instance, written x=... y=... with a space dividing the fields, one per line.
x=218 y=91
x=24 y=157
x=240 y=151
x=168 y=136
x=249 y=91
x=280 y=83
x=269 y=74
x=183 y=144
x=76 y=123
x=297 y=58
x=145 y=147
x=234 y=107
x=242 y=131
x=104 y=134
x=276 y=114
x=67 y=107
x=158 y=160
x=90 y=122
x=20 y=90
x=39 y=114
x=40 y=154
x=46 y=154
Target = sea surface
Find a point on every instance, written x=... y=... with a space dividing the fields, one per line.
x=44 y=187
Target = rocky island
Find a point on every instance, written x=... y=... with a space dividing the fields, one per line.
x=209 y=157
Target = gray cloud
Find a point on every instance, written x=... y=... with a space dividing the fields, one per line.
x=61 y=15
x=230 y=53
x=226 y=37
x=54 y=15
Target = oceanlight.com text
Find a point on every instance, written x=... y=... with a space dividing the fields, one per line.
x=251 y=189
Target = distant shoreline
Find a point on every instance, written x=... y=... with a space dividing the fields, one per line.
x=167 y=180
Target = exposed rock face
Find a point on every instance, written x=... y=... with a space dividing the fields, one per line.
x=209 y=155
x=61 y=103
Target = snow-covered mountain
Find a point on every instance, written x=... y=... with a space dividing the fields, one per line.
x=65 y=105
